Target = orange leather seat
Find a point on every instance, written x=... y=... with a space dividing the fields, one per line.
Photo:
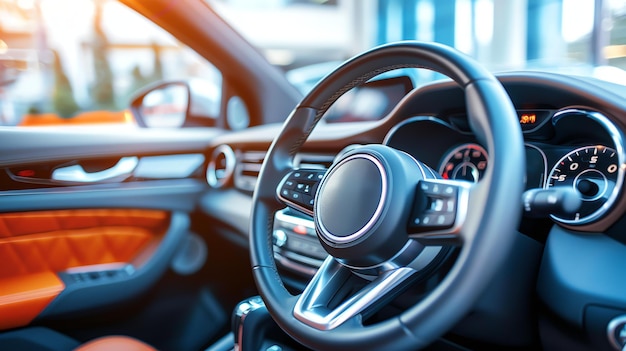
x=45 y=339
x=116 y=343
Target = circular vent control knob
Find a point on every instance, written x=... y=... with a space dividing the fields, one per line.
x=221 y=166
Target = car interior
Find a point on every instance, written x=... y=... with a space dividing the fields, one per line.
x=371 y=210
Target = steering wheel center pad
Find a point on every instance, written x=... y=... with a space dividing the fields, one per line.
x=363 y=205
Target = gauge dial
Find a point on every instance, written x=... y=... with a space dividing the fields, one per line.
x=592 y=170
x=465 y=162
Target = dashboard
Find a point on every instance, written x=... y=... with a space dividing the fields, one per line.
x=573 y=139
x=573 y=132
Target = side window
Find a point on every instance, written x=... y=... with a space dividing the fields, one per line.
x=81 y=66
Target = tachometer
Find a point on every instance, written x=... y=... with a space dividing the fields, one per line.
x=465 y=162
x=592 y=170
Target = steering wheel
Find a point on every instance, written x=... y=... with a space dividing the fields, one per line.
x=378 y=212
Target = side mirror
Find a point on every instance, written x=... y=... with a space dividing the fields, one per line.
x=177 y=104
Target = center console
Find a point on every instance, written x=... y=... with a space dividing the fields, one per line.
x=298 y=253
x=296 y=246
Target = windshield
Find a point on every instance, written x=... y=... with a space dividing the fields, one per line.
x=581 y=37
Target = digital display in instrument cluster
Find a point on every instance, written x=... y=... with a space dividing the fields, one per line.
x=531 y=119
x=528 y=118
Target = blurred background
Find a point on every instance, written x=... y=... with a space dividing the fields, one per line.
x=72 y=59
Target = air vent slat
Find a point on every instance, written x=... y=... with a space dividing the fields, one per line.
x=247 y=170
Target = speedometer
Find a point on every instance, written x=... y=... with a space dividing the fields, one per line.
x=465 y=162
x=592 y=171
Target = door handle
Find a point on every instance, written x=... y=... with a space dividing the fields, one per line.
x=77 y=174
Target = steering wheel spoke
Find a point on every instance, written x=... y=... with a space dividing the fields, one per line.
x=318 y=307
x=439 y=212
x=297 y=189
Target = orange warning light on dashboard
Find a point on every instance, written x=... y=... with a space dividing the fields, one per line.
x=528 y=118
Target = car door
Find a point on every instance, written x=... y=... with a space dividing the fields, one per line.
x=94 y=208
x=90 y=219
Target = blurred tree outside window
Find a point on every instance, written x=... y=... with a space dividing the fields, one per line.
x=62 y=69
x=63 y=102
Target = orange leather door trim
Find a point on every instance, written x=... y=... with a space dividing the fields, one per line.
x=34 y=246
x=23 y=298
x=24 y=223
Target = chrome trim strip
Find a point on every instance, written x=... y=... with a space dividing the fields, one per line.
x=618 y=143
x=311 y=307
x=379 y=208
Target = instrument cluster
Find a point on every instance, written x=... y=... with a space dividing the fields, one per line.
x=571 y=148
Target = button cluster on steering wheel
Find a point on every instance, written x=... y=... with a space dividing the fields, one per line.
x=299 y=187
x=434 y=207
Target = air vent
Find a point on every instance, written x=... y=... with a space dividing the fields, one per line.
x=221 y=166
x=247 y=170
x=316 y=161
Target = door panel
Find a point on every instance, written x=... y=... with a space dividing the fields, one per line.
x=36 y=246
x=97 y=286
x=54 y=241
x=68 y=249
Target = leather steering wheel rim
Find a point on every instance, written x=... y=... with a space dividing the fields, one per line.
x=489 y=229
